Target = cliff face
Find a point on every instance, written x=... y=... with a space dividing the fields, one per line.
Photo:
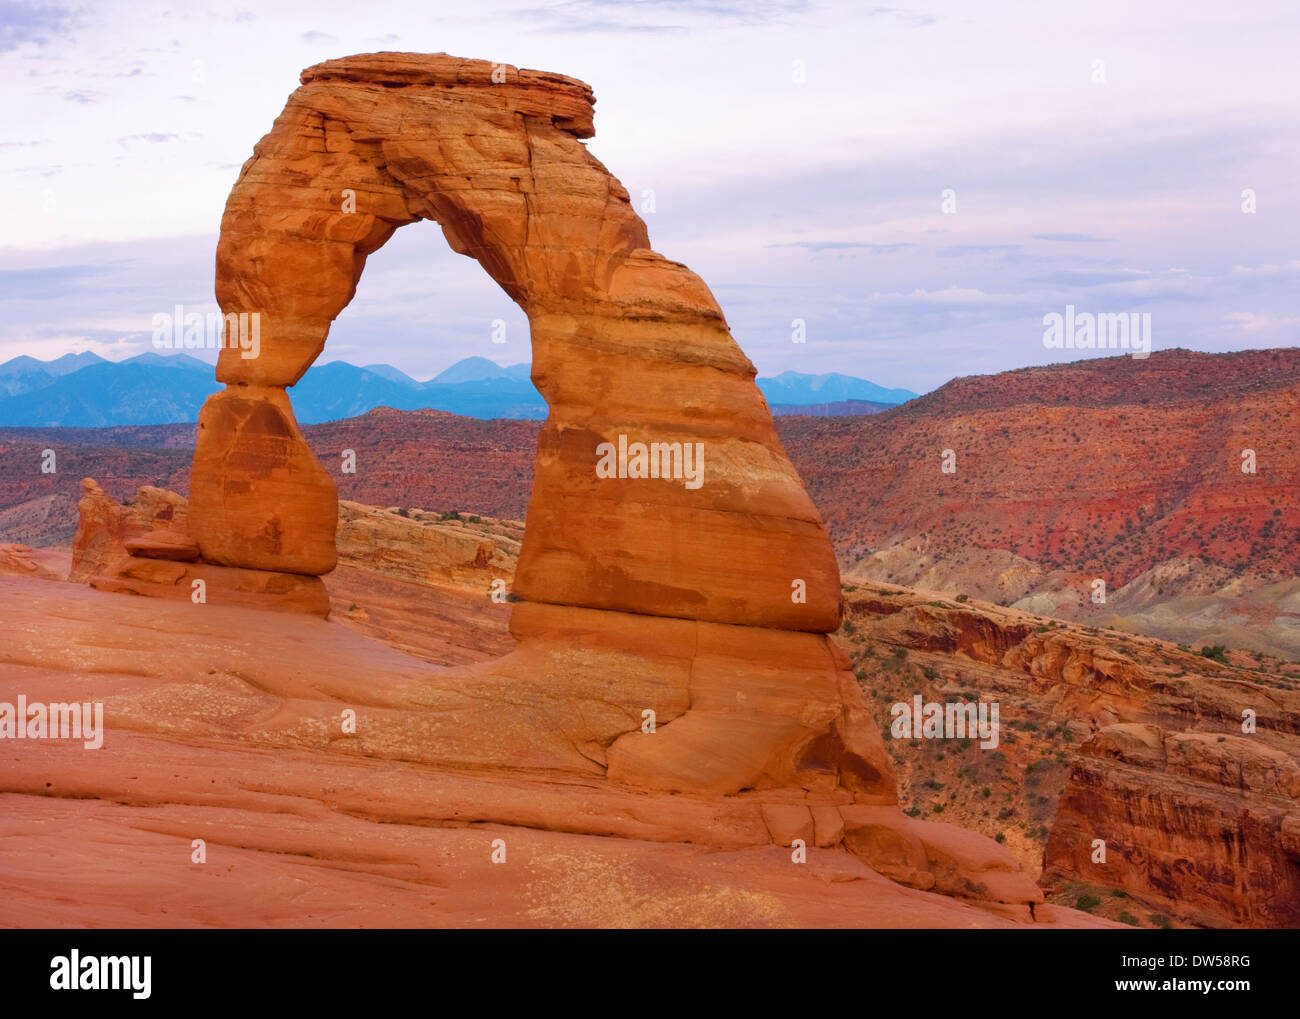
x=1104 y=736
x=1208 y=826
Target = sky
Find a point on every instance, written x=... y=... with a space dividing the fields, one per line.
x=798 y=153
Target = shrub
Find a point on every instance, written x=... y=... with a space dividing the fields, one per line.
x=1087 y=903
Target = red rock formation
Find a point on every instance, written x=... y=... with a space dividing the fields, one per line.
x=625 y=342
x=1105 y=467
x=144 y=548
x=1206 y=825
x=671 y=628
x=21 y=561
x=1196 y=822
x=426 y=549
x=627 y=347
x=105 y=527
x=225 y=724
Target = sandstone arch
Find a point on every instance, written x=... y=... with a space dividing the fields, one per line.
x=624 y=341
x=635 y=593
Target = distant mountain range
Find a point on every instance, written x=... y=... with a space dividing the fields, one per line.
x=86 y=391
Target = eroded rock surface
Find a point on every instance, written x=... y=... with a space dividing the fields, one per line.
x=671 y=624
x=625 y=342
x=1204 y=824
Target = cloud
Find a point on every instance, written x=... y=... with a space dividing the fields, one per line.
x=314 y=37
x=83 y=96
x=1249 y=322
x=153 y=138
x=915 y=19
x=655 y=16
x=960 y=250
x=29 y=22
x=54 y=282
x=1087 y=278
x=1074 y=238
x=819 y=246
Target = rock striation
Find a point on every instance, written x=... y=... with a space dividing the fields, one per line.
x=1208 y=826
x=675 y=586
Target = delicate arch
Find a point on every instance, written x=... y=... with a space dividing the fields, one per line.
x=625 y=343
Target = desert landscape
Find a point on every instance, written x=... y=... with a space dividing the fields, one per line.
x=632 y=637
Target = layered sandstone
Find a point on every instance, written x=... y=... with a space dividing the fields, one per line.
x=670 y=626
x=628 y=347
x=145 y=548
x=625 y=342
x=1208 y=826
x=1102 y=736
x=230 y=725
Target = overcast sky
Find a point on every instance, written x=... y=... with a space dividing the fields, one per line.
x=1098 y=153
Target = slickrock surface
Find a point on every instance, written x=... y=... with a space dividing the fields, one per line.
x=434 y=585
x=226 y=724
x=429 y=548
x=38 y=563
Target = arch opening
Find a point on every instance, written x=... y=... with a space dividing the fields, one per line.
x=627 y=346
